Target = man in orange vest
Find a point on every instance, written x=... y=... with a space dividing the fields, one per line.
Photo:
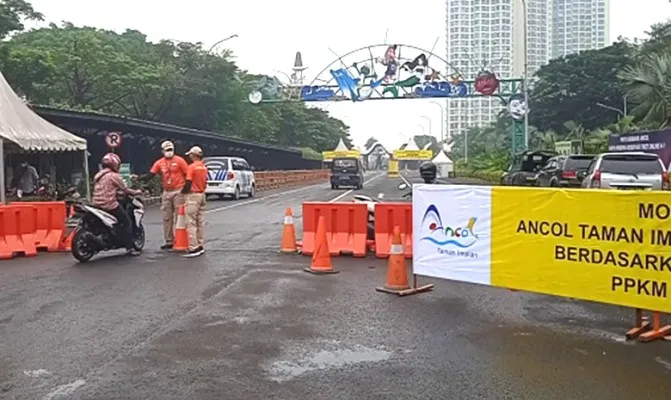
x=194 y=189
x=173 y=173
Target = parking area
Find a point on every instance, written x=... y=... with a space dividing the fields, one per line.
x=244 y=322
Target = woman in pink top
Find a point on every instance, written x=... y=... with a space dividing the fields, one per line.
x=107 y=183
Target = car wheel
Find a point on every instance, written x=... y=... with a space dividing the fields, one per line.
x=251 y=191
x=220 y=196
x=333 y=186
x=236 y=194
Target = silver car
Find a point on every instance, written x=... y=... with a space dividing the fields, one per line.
x=626 y=171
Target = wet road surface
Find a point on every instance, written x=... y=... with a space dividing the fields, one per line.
x=244 y=322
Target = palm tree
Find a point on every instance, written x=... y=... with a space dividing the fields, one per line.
x=648 y=83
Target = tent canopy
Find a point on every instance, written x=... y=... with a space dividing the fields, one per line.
x=412 y=145
x=341 y=146
x=442 y=158
x=21 y=126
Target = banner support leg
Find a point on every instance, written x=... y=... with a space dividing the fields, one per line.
x=642 y=324
x=658 y=331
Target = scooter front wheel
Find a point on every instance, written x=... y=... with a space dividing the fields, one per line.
x=82 y=249
x=138 y=237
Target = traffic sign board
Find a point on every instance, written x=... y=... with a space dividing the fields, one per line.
x=113 y=139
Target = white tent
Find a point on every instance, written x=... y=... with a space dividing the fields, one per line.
x=341 y=146
x=444 y=165
x=411 y=146
x=22 y=130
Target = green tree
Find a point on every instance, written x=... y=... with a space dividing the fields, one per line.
x=423 y=140
x=569 y=88
x=180 y=84
x=648 y=84
x=12 y=15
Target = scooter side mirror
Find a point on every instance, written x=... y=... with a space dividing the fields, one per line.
x=402 y=186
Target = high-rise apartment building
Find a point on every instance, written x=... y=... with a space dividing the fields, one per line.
x=579 y=25
x=489 y=34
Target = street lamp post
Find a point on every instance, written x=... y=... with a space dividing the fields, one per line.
x=222 y=41
x=430 y=128
x=442 y=120
x=622 y=112
x=526 y=76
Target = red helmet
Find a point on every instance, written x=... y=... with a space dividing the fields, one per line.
x=111 y=161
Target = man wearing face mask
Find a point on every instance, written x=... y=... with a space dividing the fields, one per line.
x=173 y=174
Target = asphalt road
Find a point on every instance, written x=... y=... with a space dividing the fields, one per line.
x=244 y=322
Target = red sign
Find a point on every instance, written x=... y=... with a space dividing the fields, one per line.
x=113 y=139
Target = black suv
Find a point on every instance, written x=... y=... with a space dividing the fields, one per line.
x=564 y=171
x=346 y=172
x=524 y=166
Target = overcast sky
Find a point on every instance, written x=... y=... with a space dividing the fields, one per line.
x=271 y=31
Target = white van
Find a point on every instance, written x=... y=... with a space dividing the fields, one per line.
x=229 y=176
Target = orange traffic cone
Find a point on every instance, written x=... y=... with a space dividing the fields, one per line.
x=288 y=234
x=321 y=258
x=397 y=273
x=181 y=237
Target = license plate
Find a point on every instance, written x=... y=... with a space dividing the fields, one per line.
x=531 y=178
x=633 y=188
x=212 y=184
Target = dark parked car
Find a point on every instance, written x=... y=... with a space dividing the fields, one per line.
x=347 y=172
x=563 y=171
x=522 y=171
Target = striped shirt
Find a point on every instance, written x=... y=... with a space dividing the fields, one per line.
x=106 y=185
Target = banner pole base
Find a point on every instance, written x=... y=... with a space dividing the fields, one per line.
x=657 y=332
x=641 y=326
x=409 y=291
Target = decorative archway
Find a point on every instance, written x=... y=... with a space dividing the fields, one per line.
x=374 y=147
x=396 y=71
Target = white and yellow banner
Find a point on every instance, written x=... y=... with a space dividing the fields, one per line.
x=602 y=245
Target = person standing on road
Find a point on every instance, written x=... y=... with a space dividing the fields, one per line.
x=194 y=189
x=173 y=173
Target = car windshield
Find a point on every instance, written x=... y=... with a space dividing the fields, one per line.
x=344 y=163
x=215 y=163
x=578 y=163
x=631 y=164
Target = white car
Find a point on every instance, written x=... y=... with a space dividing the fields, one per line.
x=229 y=176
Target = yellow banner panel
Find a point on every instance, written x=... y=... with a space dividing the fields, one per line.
x=602 y=245
x=413 y=154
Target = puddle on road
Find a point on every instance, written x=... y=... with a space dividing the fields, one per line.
x=282 y=371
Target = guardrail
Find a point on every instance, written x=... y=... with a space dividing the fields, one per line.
x=276 y=179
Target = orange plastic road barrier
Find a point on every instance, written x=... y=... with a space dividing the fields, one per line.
x=321 y=258
x=181 y=236
x=388 y=216
x=51 y=217
x=288 y=234
x=396 y=281
x=346 y=227
x=18 y=224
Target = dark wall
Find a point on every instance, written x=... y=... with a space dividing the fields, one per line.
x=141 y=142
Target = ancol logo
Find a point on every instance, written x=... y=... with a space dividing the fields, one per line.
x=459 y=236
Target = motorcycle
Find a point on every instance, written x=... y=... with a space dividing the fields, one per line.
x=370 y=205
x=96 y=230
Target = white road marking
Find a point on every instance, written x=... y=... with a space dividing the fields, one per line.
x=407 y=182
x=340 y=196
x=65 y=390
x=252 y=201
x=242 y=203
